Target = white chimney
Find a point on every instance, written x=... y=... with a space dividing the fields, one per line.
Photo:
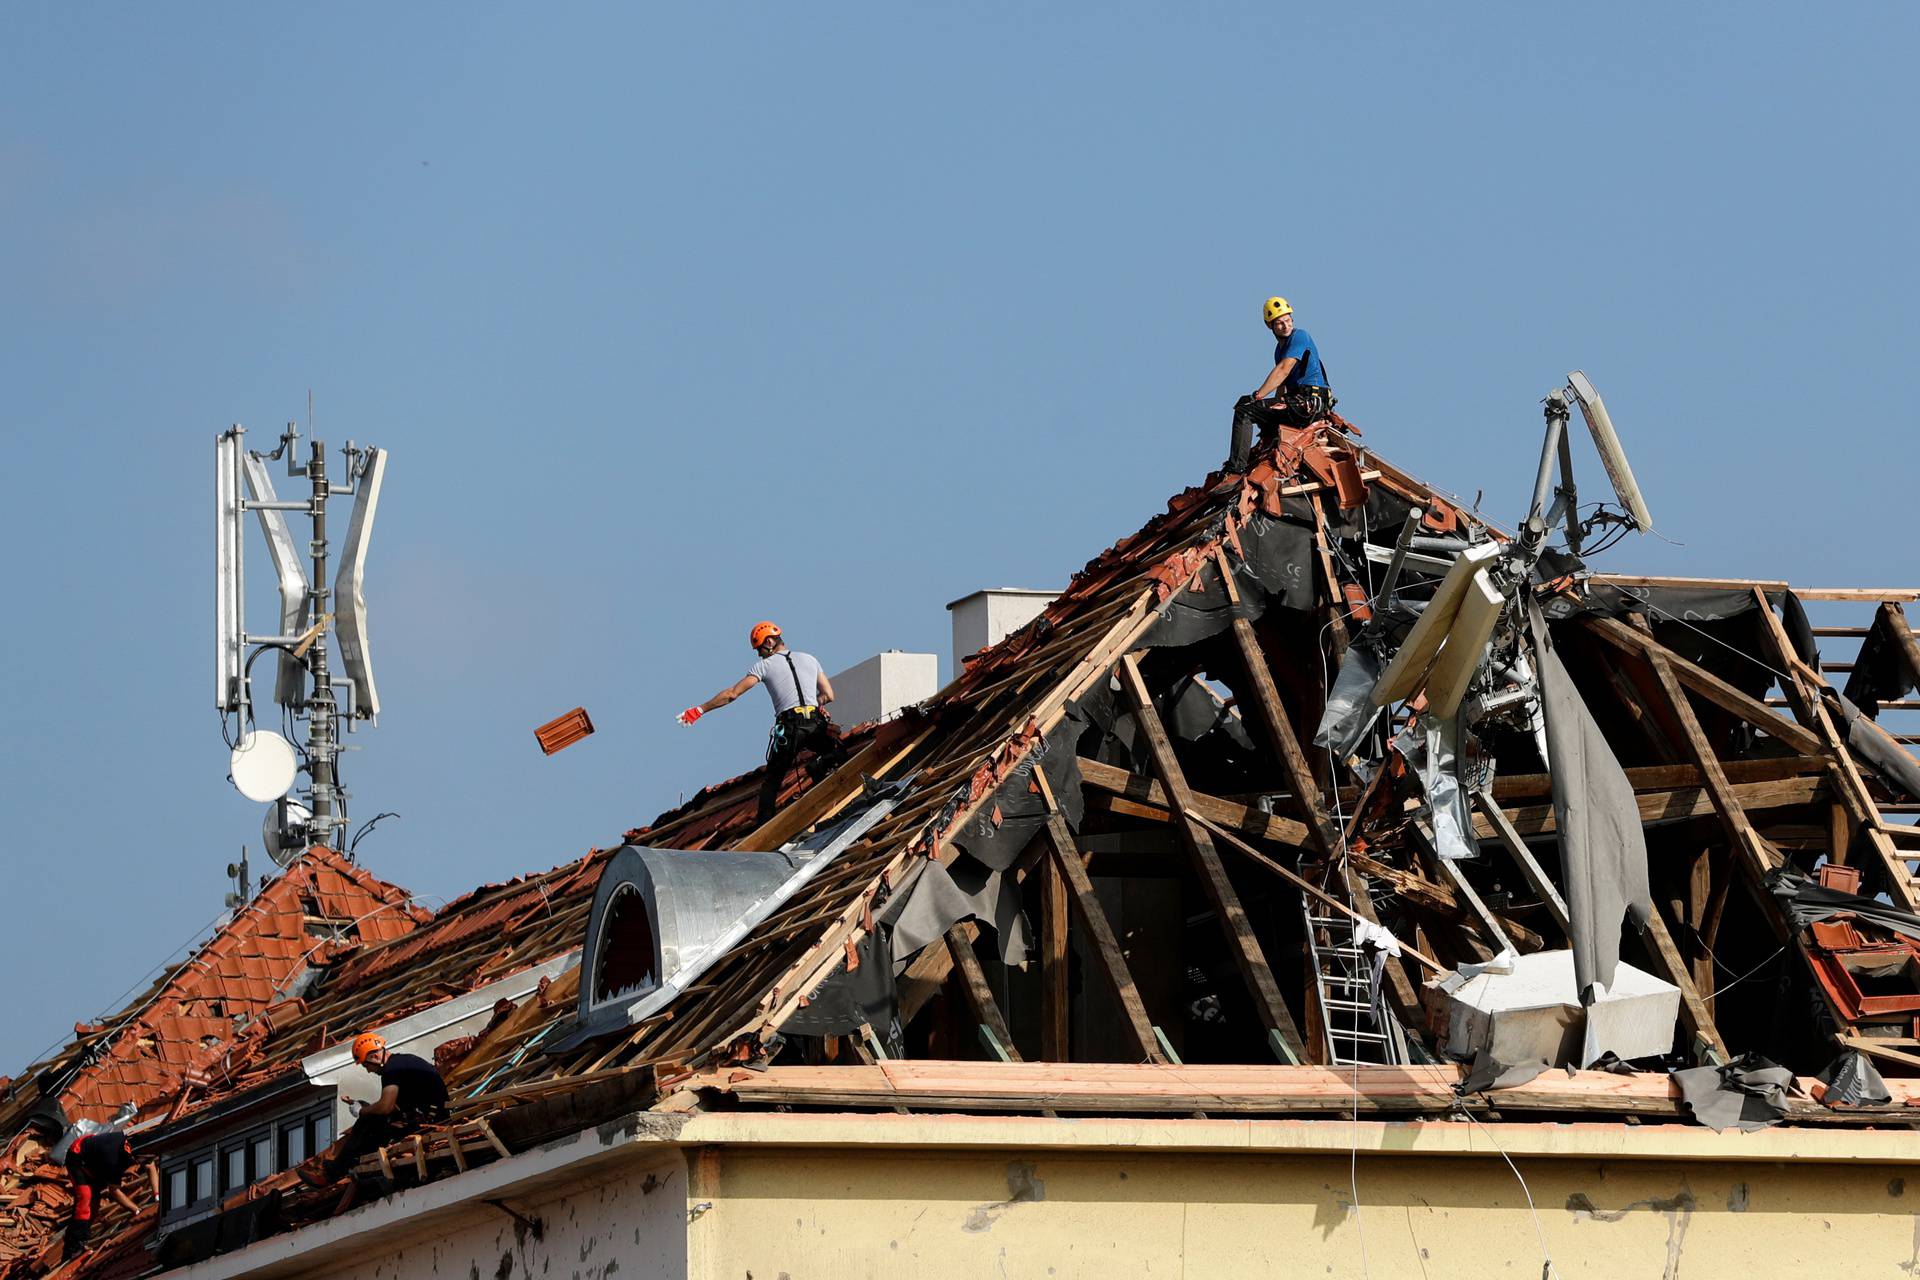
x=879 y=687
x=987 y=617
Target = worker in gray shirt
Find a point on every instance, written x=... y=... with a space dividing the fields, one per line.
x=800 y=692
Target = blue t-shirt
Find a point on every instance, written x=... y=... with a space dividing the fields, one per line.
x=1307 y=371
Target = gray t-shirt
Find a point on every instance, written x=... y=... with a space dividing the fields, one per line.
x=778 y=677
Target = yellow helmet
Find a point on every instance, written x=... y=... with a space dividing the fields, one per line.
x=1277 y=307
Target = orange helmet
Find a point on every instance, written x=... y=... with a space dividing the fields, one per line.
x=366 y=1044
x=761 y=630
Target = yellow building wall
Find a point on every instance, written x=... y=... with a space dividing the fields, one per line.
x=760 y=1213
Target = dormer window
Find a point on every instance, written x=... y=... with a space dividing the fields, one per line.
x=625 y=965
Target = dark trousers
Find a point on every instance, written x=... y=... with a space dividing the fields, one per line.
x=792 y=734
x=1288 y=407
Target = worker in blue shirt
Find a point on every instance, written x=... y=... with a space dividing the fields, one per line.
x=1295 y=394
x=1298 y=384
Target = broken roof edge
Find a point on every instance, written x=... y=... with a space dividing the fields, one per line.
x=180 y=982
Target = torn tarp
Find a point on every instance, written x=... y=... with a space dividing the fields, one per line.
x=1001 y=829
x=1603 y=848
x=848 y=998
x=939 y=897
x=1488 y=1073
x=1853 y=1081
x=1806 y=901
x=1746 y=1094
x=1881 y=671
x=1871 y=744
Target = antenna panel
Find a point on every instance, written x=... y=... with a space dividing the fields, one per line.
x=290 y=689
x=349 y=599
x=229 y=585
x=1612 y=456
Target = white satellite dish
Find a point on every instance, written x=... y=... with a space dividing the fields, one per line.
x=263 y=766
x=286 y=831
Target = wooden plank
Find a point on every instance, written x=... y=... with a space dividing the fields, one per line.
x=1529 y=866
x=979 y=996
x=1055 y=1043
x=1245 y=946
x=1668 y=777
x=1720 y=794
x=1232 y=1089
x=1658 y=807
x=1151 y=802
x=1336 y=598
x=1665 y=956
x=420 y=1156
x=1881 y=594
x=1278 y=727
x=1306 y=886
x=1430 y=847
x=486 y=1131
x=1875 y=1049
x=833 y=792
x=1708 y=685
x=1104 y=947
x=1708 y=584
x=1802 y=686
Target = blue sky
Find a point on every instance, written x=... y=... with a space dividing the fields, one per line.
x=678 y=317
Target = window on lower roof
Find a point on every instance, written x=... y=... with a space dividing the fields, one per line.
x=203 y=1178
x=177 y=1196
x=322 y=1130
x=263 y=1155
x=293 y=1143
x=236 y=1162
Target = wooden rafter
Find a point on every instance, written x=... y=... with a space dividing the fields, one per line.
x=1104 y=946
x=1802 y=685
x=1055 y=1042
x=1707 y=685
x=1206 y=859
x=978 y=995
x=1271 y=715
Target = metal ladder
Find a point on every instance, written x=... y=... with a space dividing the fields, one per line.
x=1356 y=1023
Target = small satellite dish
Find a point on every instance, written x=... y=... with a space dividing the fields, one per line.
x=286 y=831
x=263 y=766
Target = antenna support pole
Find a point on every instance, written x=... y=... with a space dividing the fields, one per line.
x=1533 y=533
x=329 y=803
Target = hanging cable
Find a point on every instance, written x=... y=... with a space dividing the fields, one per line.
x=365 y=827
x=1546 y=1258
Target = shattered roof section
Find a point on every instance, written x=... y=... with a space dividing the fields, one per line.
x=319 y=907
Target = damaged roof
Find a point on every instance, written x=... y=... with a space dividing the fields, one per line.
x=1283 y=901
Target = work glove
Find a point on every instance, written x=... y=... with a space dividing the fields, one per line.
x=689 y=715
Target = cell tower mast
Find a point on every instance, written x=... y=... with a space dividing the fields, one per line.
x=317 y=596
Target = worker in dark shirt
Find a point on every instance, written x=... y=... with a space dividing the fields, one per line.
x=96 y=1162
x=411 y=1094
x=1298 y=384
x=800 y=692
